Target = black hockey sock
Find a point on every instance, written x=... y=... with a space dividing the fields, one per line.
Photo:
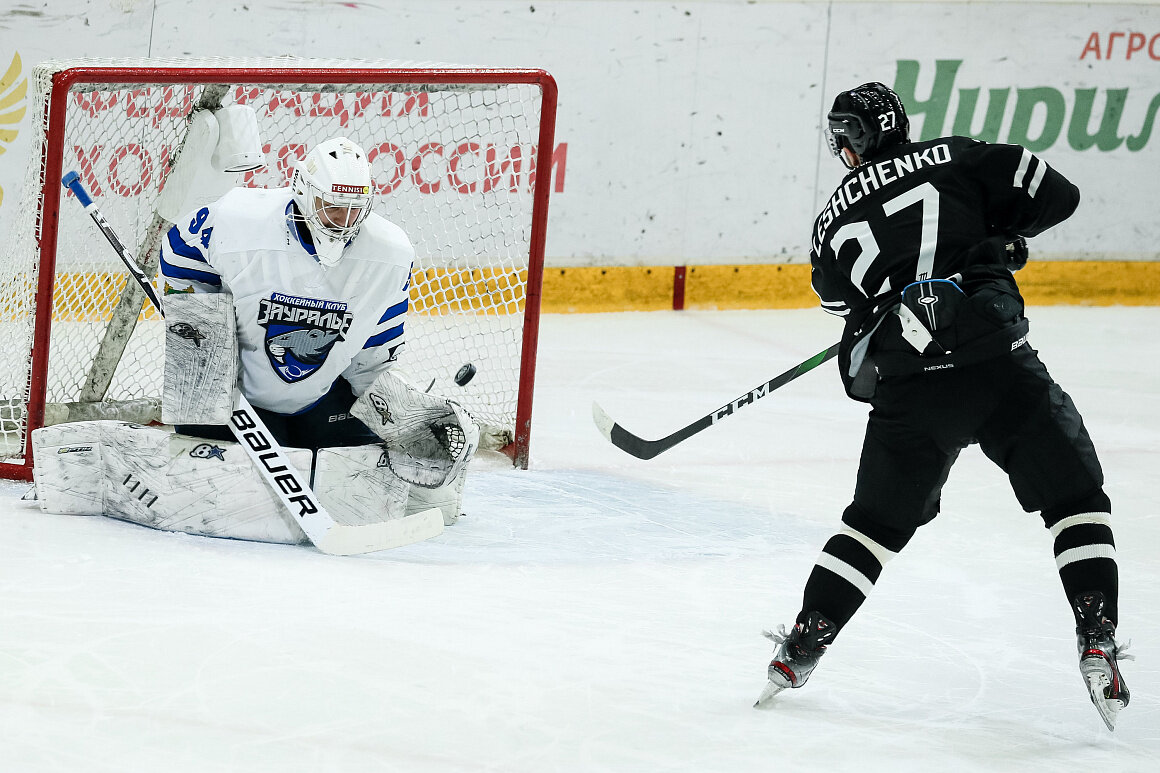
x=843 y=576
x=1085 y=554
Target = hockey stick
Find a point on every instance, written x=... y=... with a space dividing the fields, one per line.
x=324 y=531
x=647 y=449
x=174 y=186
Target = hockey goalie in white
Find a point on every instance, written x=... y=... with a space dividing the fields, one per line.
x=296 y=296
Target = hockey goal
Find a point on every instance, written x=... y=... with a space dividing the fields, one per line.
x=461 y=159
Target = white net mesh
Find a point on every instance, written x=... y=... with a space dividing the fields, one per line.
x=454 y=156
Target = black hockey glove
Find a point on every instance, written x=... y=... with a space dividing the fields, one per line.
x=1015 y=254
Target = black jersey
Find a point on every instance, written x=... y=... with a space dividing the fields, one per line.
x=929 y=210
x=916 y=211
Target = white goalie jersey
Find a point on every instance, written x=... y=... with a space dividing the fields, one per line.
x=299 y=326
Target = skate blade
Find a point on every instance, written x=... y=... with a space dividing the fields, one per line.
x=1108 y=708
x=765 y=700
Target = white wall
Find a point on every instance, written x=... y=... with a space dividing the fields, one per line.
x=692 y=128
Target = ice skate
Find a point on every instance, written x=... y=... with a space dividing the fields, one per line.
x=1099 y=654
x=797 y=655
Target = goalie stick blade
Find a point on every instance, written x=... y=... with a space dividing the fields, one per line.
x=342 y=540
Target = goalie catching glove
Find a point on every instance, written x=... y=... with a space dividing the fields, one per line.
x=429 y=439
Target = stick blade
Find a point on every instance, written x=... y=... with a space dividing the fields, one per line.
x=604 y=422
x=634 y=445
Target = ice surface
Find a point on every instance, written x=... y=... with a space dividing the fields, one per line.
x=602 y=613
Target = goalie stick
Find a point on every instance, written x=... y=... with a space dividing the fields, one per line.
x=327 y=534
x=647 y=449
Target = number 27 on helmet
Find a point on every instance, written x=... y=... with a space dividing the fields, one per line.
x=866 y=120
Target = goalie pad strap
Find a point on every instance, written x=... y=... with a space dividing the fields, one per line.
x=201 y=358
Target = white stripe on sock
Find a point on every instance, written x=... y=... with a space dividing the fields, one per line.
x=1084 y=553
x=882 y=554
x=1101 y=519
x=846 y=572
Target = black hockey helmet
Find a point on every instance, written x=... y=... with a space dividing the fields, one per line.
x=867 y=119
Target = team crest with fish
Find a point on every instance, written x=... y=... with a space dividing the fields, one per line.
x=300 y=332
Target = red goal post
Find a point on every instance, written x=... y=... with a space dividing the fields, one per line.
x=461 y=159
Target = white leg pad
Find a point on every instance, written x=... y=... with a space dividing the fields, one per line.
x=201 y=359
x=448 y=498
x=153 y=477
x=356 y=486
x=67 y=468
x=215 y=490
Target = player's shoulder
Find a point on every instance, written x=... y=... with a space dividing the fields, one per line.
x=926 y=154
x=250 y=219
x=381 y=241
x=249 y=202
x=970 y=148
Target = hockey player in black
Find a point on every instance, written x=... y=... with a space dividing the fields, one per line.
x=916 y=249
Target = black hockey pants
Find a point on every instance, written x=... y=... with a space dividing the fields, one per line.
x=918 y=424
x=1021 y=419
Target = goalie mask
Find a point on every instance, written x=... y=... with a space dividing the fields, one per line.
x=333 y=192
x=867 y=120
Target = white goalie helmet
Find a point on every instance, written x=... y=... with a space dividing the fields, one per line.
x=333 y=190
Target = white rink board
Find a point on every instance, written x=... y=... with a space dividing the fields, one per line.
x=688 y=133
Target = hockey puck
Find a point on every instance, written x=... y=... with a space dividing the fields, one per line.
x=465 y=374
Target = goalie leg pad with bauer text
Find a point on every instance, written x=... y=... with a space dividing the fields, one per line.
x=153 y=477
x=201 y=358
x=428 y=439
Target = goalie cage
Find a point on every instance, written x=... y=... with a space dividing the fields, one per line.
x=454 y=152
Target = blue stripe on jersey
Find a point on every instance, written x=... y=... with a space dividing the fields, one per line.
x=394 y=311
x=179 y=272
x=181 y=249
x=384 y=337
x=296 y=229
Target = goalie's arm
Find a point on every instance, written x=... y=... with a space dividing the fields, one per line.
x=383 y=346
x=185 y=254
